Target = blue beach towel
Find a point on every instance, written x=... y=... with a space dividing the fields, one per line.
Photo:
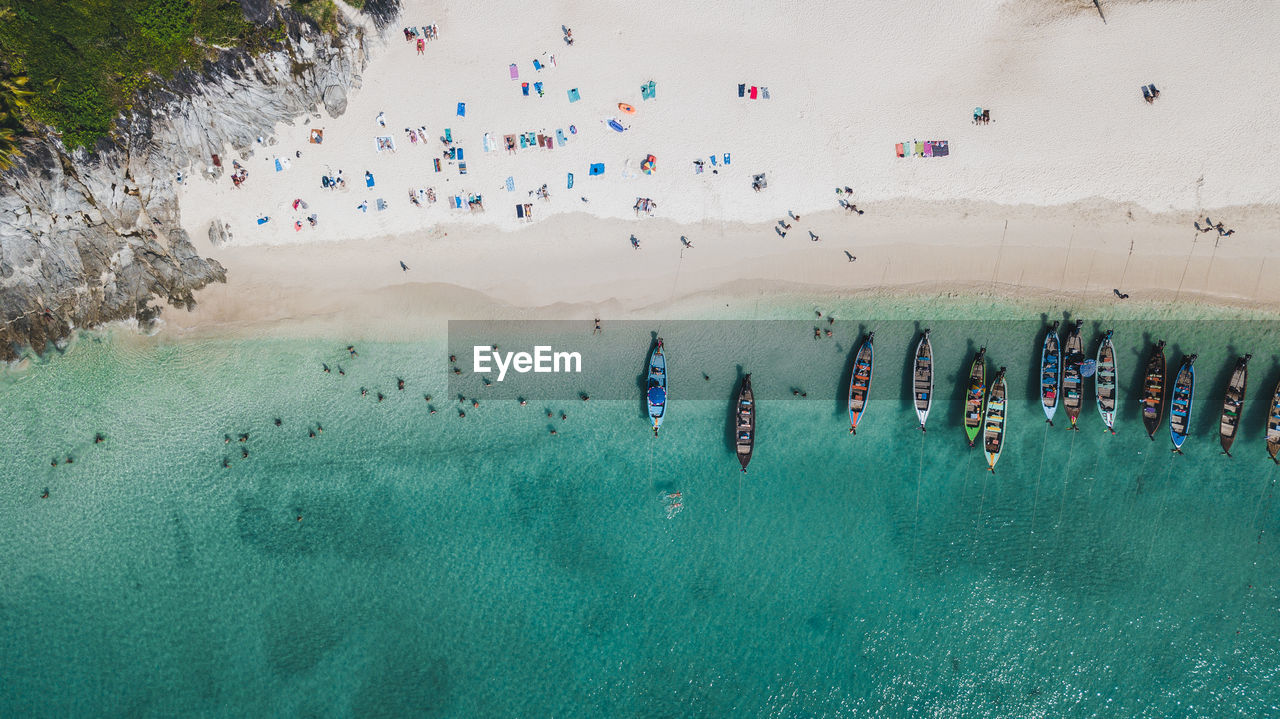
x=742 y=89
x=368 y=179
x=560 y=138
x=511 y=184
x=597 y=169
x=382 y=204
x=279 y=167
x=537 y=86
x=462 y=109
x=570 y=181
x=537 y=65
x=458 y=154
x=573 y=95
x=726 y=158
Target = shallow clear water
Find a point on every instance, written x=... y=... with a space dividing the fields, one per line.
x=478 y=566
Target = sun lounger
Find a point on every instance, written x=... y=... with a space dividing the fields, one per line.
x=573 y=95
x=742 y=89
x=515 y=72
x=462 y=109
x=596 y=169
x=524 y=89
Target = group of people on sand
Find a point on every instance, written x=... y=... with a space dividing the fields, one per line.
x=421 y=34
x=1210 y=227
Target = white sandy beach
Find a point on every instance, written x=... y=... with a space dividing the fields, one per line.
x=1076 y=187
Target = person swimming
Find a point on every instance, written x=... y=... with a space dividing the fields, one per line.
x=340 y=372
x=244 y=437
x=226 y=439
x=46 y=493
x=364 y=392
x=99 y=439
x=319 y=428
x=426 y=397
x=399 y=383
x=380 y=397
x=278 y=422
x=226 y=463
x=325 y=366
x=453 y=359
x=244 y=453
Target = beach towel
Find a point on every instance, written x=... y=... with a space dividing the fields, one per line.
x=448 y=135
x=486 y=143
x=648 y=91
x=726 y=158
x=754 y=92
x=382 y=204
x=520 y=212
x=511 y=184
x=742 y=89
x=713 y=159
x=537 y=65
x=573 y=95
x=368 y=179
x=462 y=168
x=919 y=148
x=437 y=161
x=928 y=149
x=524 y=89
x=279 y=167
x=616 y=125
x=384 y=142
x=898 y=149
x=459 y=153
x=537 y=86
x=764 y=92
x=570 y=180
x=317 y=136
x=523 y=142
x=597 y=169
x=457 y=202
x=263 y=220
x=515 y=72
x=462 y=109
x=941 y=149
x=560 y=138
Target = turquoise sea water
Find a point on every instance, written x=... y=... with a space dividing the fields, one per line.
x=478 y=566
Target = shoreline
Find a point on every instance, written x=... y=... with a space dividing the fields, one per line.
x=1063 y=256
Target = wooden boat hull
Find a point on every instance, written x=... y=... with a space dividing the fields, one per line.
x=1072 y=377
x=1233 y=404
x=656 y=387
x=1154 y=390
x=1273 y=426
x=745 y=423
x=1050 y=373
x=1184 y=391
x=922 y=379
x=995 y=420
x=975 y=396
x=1104 y=382
x=860 y=382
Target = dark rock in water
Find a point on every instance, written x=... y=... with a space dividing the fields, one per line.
x=88 y=237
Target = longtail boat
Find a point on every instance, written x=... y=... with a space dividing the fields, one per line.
x=922 y=383
x=1050 y=372
x=656 y=394
x=1273 y=426
x=1233 y=404
x=860 y=382
x=975 y=396
x=1184 y=391
x=745 y=424
x=1153 y=390
x=1104 y=382
x=993 y=427
x=1072 y=378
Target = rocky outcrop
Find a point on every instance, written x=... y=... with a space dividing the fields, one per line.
x=88 y=237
